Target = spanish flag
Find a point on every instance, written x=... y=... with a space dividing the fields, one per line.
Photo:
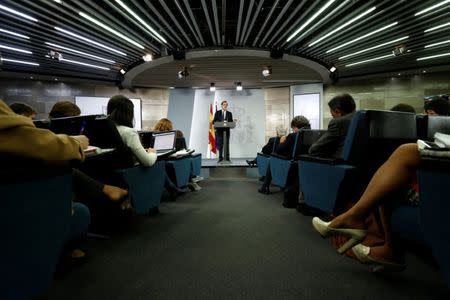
x=212 y=131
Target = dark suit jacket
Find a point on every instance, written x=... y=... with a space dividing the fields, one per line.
x=218 y=117
x=285 y=149
x=269 y=147
x=331 y=143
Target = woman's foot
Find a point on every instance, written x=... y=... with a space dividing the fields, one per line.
x=114 y=193
x=383 y=258
x=346 y=220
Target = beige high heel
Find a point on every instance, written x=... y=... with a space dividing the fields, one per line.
x=362 y=253
x=355 y=235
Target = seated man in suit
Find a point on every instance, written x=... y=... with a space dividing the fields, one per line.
x=270 y=146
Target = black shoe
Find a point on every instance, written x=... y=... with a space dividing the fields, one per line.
x=264 y=190
x=220 y=159
x=251 y=163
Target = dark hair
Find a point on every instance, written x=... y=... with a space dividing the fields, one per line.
x=221 y=103
x=120 y=110
x=64 y=109
x=344 y=103
x=22 y=109
x=404 y=108
x=439 y=105
x=179 y=134
x=300 y=122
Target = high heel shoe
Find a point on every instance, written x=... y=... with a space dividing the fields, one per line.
x=362 y=253
x=355 y=235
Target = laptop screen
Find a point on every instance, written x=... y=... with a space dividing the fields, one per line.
x=164 y=140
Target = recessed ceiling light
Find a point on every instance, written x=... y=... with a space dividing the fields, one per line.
x=238 y=86
x=80 y=52
x=374 y=47
x=437 y=27
x=58 y=1
x=399 y=74
x=31 y=77
x=332 y=69
x=310 y=19
x=15 y=49
x=432 y=7
x=434 y=56
x=56 y=79
x=122 y=71
x=362 y=37
x=89 y=41
x=147 y=57
x=370 y=60
x=212 y=87
x=437 y=44
x=113 y=31
x=20 y=62
x=343 y=26
x=131 y=12
x=83 y=64
x=14 y=33
x=15 y=12
x=424 y=71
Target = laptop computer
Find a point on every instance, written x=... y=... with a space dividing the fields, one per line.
x=164 y=142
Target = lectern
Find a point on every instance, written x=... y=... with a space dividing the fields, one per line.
x=224 y=125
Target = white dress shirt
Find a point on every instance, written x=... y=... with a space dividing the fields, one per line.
x=131 y=138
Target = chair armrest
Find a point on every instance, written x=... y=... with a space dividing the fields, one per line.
x=262 y=154
x=323 y=160
x=280 y=156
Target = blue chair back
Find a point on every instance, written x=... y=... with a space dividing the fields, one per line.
x=196 y=164
x=179 y=170
x=427 y=126
x=35 y=216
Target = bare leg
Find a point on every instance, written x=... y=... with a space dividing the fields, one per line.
x=394 y=174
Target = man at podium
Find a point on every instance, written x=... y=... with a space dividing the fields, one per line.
x=223 y=116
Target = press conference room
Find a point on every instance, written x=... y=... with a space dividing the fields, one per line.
x=251 y=149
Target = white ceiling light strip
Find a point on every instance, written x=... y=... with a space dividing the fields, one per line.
x=80 y=52
x=19 y=62
x=437 y=27
x=437 y=44
x=374 y=47
x=15 y=49
x=434 y=56
x=113 y=31
x=432 y=7
x=310 y=20
x=141 y=21
x=90 y=41
x=343 y=26
x=15 y=12
x=370 y=60
x=14 y=33
x=83 y=64
x=362 y=37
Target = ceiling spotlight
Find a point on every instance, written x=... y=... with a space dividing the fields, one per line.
x=147 y=57
x=332 y=69
x=212 y=87
x=238 y=86
x=54 y=55
x=183 y=73
x=122 y=71
x=399 y=50
x=267 y=71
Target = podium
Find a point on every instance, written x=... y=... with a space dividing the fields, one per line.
x=224 y=125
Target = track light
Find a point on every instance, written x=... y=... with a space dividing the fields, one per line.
x=437 y=27
x=15 y=49
x=14 y=34
x=432 y=7
x=54 y=55
x=371 y=60
x=183 y=73
x=212 y=87
x=374 y=47
x=267 y=71
x=434 y=56
x=76 y=62
x=147 y=57
x=15 y=12
x=20 y=62
x=437 y=44
x=238 y=86
x=80 y=52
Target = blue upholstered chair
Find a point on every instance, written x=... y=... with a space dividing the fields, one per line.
x=262 y=160
x=371 y=138
x=196 y=164
x=179 y=170
x=35 y=215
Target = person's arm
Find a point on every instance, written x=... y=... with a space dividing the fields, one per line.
x=131 y=139
x=230 y=117
x=215 y=117
x=329 y=141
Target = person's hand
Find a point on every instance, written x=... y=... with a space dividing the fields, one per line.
x=283 y=139
x=83 y=140
x=151 y=150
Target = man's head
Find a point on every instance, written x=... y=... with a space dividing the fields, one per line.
x=64 y=109
x=23 y=109
x=341 y=105
x=403 y=107
x=437 y=106
x=224 y=104
x=299 y=122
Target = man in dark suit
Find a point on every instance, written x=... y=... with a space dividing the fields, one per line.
x=220 y=116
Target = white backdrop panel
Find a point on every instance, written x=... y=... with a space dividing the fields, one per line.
x=308 y=105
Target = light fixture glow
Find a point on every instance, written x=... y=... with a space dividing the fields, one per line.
x=437 y=44
x=238 y=86
x=90 y=41
x=20 y=62
x=122 y=71
x=113 y=31
x=332 y=69
x=374 y=47
x=80 y=52
x=212 y=87
x=362 y=37
x=147 y=57
x=370 y=60
x=58 y=1
x=343 y=25
x=431 y=7
x=310 y=19
x=437 y=27
x=15 y=34
x=141 y=21
x=15 y=49
x=13 y=11
x=83 y=64
x=434 y=56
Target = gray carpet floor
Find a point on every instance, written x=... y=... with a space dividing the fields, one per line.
x=229 y=242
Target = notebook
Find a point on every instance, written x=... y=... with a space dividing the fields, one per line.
x=164 y=142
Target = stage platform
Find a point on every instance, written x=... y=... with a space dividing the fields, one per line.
x=237 y=169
